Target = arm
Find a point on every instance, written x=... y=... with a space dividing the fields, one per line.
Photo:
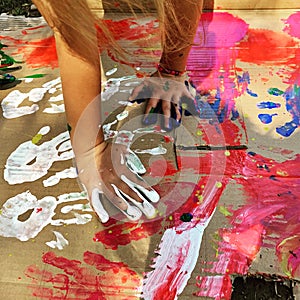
x=81 y=78
x=102 y=167
x=178 y=29
x=187 y=15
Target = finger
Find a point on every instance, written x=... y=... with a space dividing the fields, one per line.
x=152 y=110
x=176 y=105
x=145 y=207
x=142 y=192
x=96 y=202
x=131 y=212
x=135 y=93
x=167 y=121
x=134 y=163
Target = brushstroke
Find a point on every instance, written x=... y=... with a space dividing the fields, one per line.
x=266 y=118
x=175 y=264
x=268 y=105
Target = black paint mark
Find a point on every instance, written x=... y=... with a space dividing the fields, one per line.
x=186 y=217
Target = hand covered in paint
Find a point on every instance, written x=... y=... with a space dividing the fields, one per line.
x=165 y=95
x=114 y=170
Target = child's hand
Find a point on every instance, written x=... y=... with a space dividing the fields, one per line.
x=165 y=95
x=114 y=171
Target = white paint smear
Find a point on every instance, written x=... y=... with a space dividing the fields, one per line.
x=111 y=72
x=175 y=247
x=57 y=98
x=60 y=242
x=123 y=115
x=30 y=162
x=81 y=207
x=154 y=151
x=11 y=103
x=55 y=109
x=113 y=86
x=41 y=213
x=55 y=179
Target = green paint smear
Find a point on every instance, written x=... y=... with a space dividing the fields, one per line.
x=36 y=138
x=224 y=211
x=35 y=76
x=275 y=92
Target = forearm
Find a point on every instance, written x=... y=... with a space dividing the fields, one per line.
x=187 y=13
x=81 y=84
x=81 y=78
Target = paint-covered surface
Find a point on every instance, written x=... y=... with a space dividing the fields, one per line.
x=229 y=210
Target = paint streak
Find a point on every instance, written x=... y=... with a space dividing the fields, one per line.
x=55 y=179
x=12 y=104
x=123 y=234
x=91 y=278
x=268 y=105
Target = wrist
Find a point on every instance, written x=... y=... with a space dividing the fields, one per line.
x=163 y=69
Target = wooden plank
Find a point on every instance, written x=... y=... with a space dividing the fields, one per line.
x=117 y=6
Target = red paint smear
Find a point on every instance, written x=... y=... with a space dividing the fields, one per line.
x=271 y=214
x=122 y=234
x=292 y=25
x=266 y=47
x=247 y=242
x=37 y=53
x=76 y=280
x=164 y=291
x=288 y=252
x=40 y=53
x=177 y=198
x=25 y=31
x=129 y=29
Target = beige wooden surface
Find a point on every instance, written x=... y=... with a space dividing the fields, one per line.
x=217 y=4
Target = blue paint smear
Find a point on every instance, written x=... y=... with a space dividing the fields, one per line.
x=292 y=97
x=251 y=93
x=287 y=129
x=269 y=105
x=266 y=118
